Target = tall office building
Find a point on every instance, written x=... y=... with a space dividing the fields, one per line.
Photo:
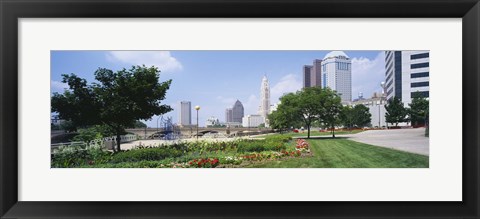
x=312 y=74
x=185 y=113
x=228 y=115
x=307 y=71
x=337 y=74
x=406 y=73
x=264 y=109
x=237 y=112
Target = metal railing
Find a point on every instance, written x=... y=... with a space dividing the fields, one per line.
x=103 y=142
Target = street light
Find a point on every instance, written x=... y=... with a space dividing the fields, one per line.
x=379 y=116
x=197 y=108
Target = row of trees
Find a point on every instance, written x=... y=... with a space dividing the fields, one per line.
x=323 y=108
x=116 y=101
x=318 y=106
x=416 y=113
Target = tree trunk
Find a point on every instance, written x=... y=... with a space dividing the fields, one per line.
x=333 y=131
x=118 y=142
x=308 y=130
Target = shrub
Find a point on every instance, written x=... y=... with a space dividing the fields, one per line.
x=149 y=154
x=260 y=145
x=74 y=156
x=139 y=164
x=278 y=138
x=93 y=133
x=68 y=156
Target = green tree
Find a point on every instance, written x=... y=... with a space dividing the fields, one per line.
x=396 y=112
x=361 y=116
x=308 y=105
x=331 y=108
x=139 y=124
x=118 y=100
x=418 y=111
x=68 y=126
x=93 y=133
x=286 y=115
x=346 y=117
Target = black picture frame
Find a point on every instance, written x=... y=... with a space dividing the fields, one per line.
x=12 y=10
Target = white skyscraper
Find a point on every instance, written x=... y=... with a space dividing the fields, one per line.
x=265 y=99
x=185 y=113
x=337 y=74
x=406 y=73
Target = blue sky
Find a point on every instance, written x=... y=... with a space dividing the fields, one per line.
x=216 y=79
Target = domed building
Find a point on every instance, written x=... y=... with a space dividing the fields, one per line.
x=337 y=74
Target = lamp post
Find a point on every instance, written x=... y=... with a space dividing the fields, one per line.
x=197 y=108
x=379 y=117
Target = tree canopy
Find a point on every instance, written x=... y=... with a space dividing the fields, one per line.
x=312 y=104
x=396 y=112
x=332 y=107
x=286 y=115
x=117 y=99
x=418 y=111
x=358 y=116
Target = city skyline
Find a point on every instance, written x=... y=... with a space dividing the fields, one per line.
x=216 y=79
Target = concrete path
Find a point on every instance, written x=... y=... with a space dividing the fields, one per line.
x=410 y=140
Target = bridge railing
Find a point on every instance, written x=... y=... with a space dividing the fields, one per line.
x=56 y=146
x=107 y=142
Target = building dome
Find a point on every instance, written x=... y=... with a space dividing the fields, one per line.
x=335 y=54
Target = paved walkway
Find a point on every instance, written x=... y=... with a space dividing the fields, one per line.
x=410 y=140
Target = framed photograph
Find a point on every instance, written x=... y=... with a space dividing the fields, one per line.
x=169 y=109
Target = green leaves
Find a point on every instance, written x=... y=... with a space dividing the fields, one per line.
x=357 y=116
x=118 y=100
x=418 y=111
x=396 y=112
x=307 y=106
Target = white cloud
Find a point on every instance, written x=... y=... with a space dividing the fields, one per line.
x=161 y=59
x=227 y=101
x=58 y=86
x=288 y=83
x=251 y=105
x=367 y=75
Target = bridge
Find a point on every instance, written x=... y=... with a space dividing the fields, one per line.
x=190 y=131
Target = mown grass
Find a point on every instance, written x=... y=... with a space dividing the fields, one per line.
x=343 y=153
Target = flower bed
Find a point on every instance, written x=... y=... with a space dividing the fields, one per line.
x=201 y=154
x=204 y=163
x=302 y=146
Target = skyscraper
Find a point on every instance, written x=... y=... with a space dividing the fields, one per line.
x=307 y=71
x=265 y=99
x=228 y=115
x=406 y=73
x=316 y=75
x=185 y=113
x=237 y=112
x=312 y=74
x=337 y=74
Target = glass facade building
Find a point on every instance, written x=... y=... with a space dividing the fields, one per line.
x=407 y=73
x=337 y=74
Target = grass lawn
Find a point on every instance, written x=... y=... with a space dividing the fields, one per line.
x=343 y=153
